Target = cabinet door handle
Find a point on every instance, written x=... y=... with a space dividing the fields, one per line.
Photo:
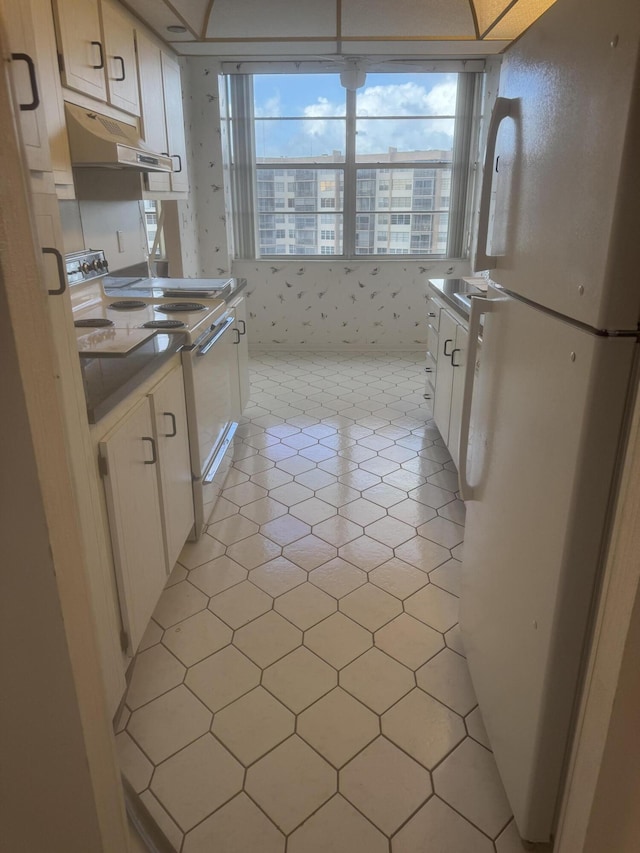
x=49 y=250
x=124 y=73
x=179 y=169
x=453 y=363
x=428 y=370
x=239 y=334
x=33 y=80
x=154 y=455
x=444 y=348
x=98 y=44
x=427 y=396
x=174 y=426
x=244 y=327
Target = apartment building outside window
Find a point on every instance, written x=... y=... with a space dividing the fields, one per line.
x=339 y=161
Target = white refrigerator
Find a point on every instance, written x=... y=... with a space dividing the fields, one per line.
x=547 y=394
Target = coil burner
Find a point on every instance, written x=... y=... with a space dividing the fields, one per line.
x=128 y=305
x=93 y=323
x=164 y=324
x=170 y=307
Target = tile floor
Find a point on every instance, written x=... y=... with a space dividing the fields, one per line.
x=302 y=686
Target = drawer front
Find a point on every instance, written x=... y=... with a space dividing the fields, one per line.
x=432 y=342
x=433 y=313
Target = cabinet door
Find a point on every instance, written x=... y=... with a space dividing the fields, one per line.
x=21 y=40
x=154 y=127
x=175 y=123
x=459 y=361
x=242 y=347
x=176 y=493
x=51 y=95
x=83 y=54
x=444 y=378
x=120 y=59
x=135 y=521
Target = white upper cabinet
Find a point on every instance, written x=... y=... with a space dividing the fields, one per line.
x=120 y=58
x=177 y=148
x=21 y=50
x=81 y=45
x=97 y=42
x=153 y=124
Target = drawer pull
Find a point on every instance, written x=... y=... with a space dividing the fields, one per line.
x=174 y=426
x=444 y=348
x=33 y=81
x=154 y=455
x=453 y=363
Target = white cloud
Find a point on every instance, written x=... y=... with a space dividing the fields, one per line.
x=272 y=107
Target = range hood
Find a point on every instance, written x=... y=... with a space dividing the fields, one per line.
x=96 y=140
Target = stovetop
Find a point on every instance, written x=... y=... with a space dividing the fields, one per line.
x=181 y=288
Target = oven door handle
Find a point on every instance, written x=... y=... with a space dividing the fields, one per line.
x=204 y=348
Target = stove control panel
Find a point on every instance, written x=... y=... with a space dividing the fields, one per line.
x=86 y=265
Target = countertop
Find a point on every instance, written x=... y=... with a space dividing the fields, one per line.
x=445 y=289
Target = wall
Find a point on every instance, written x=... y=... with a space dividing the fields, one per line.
x=296 y=303
x=93 y=224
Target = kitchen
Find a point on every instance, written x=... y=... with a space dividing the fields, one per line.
x=93 y=217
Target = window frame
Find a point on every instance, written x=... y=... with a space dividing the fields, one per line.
x=245 y=170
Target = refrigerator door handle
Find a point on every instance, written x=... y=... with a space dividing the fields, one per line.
x=479 y=305
x=502 y=109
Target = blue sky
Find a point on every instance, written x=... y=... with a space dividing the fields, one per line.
x=321 y=97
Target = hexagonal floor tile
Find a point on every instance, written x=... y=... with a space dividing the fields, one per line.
x=377 y=680
x=453 y=639
x=337 y=827
x=432 y=496
x=154 y=672
x=337 y=530
x=196 y=553
x=223 y=677
x=299 y=679
x=238 y=827
x=385 y=784
x=267 y=638
x=365 y=553
x=232 y=529
x=197 y=637
x=291 y=494
x=285 y=529
x=362 y=511
x=476 y=729
x=197 y=780
x=252 y=725
x=217 y=575
x=305 y=606
x=177 y=603
x=446 y=677
x=169 y=723
x=253 y=551
x=370 y=606
x=240 y=604
x=434 y=606
x=435 y=822
x=423 y=727
x=444 y=532
x=338 y=726
x=448 y=577
x=384 y=495
x=409 y=641
x=290 y=783
x=338 y=640
x=266 y=509
x=468 y=780
x=337 y=577
x=337 y=495
x=390 y=531
x=398 y=578
x=310 y=552
x=313 y=511
x=422 y=553
x=277 y=576
x=133 y=762
x=412 y=512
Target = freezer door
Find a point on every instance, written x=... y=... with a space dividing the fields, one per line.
x=548 y=410
x=566 y=169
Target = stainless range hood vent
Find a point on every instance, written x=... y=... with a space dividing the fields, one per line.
x=99 y=141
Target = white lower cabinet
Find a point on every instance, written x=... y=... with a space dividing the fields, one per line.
x=242 y=346
x=176 y=492
x=147 y=479
x=449 y=353
x=135 y=518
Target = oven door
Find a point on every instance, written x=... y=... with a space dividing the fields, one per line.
x=209 y=367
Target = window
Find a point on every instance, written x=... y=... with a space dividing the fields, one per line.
x=400 y=142
x=151 y=216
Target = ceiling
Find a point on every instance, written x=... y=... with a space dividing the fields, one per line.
x=310 y=28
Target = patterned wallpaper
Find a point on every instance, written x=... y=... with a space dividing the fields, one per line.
x=339 y=305
x=294 y=304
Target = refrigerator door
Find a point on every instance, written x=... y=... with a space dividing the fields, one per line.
x=566 y=169
x=548 y=409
